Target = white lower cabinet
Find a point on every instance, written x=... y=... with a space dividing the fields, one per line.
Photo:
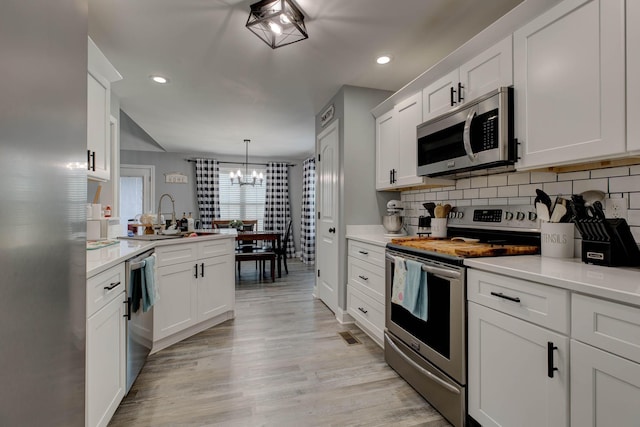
x=365 y=288
x=518 y=370
x=605 y=388
x=105 y=346
x=605 y=363
x=196 y=283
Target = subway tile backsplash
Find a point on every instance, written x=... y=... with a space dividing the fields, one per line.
x=519 y=188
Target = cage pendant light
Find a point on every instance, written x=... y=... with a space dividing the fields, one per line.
x=246 y=179
x=277 y=22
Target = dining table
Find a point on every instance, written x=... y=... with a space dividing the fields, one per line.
x=266 y=235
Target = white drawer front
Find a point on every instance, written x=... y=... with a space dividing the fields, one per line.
x=211 y=248
x=367 y=252
x=534 y=302
x=366 y=311
x=607 y=325
x=369 y=276
x=175 y=254
x=104 y=287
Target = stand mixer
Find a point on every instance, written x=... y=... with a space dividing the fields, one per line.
x=393 y=222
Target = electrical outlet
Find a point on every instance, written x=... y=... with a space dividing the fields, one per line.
x=615 y=208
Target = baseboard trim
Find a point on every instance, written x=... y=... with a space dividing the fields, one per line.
x=190 y=331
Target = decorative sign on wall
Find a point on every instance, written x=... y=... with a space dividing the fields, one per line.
x=176 y=178
x=327 y=115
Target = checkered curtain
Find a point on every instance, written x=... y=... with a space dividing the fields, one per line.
x=308 y=220
x=277 y=211
x=208 y=190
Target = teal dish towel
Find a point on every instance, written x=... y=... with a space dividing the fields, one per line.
x=416 y=291
x=149 y=288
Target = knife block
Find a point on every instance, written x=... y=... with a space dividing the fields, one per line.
x=608 y=242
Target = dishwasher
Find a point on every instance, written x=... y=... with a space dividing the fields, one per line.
x=139 y=324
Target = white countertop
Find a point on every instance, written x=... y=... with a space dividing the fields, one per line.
x=374 y=234
x=621 y=284
x=99 y=260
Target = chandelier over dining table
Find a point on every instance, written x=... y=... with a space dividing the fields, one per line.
x=246 y=179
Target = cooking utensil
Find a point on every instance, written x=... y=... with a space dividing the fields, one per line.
x=542 y=211
x=598 y=210
x=544 y=198
x=96 y=198
x=558 y=213
x=439 y=211
x=430 y=206
x=447 y=209
x=592 y=196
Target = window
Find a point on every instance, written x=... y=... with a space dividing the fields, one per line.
x=242 y=202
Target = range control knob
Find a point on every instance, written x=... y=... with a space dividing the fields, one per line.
x=520 y=216
x=459 y=215
x=533 y=216
x=508 y=216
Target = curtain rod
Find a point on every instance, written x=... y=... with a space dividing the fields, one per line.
x=242 y=163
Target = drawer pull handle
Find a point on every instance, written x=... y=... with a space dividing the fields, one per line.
x=201 y=269
x=362 y=310
x=507 y=297
x=363 y=277
x=111 y=286
x=550 y=367
x=128 y=314
x=364 y=252
x=196 y=271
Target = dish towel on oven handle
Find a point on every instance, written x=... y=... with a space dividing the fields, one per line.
x=399 y=280
x=415 y=291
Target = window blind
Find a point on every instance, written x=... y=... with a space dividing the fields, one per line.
x=242 y=202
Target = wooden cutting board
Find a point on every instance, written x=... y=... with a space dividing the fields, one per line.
x=464 y=249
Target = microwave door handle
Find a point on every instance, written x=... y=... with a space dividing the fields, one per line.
x=466 y=135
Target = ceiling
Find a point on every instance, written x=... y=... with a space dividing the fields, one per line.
x=226 y=85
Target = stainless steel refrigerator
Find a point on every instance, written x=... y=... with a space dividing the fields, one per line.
x=43 y=128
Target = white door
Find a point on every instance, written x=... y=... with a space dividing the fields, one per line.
x=605 y=389
x=490 y=70
x=508 y=381
x=408 y=117
x=328 y=225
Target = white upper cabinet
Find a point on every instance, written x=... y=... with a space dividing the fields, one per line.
x=569 y=78
x=633 y=76
x=396 y=147
x=489 y=70
x=99 y=78
x=386 y=150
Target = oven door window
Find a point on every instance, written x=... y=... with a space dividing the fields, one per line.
x=435 y=332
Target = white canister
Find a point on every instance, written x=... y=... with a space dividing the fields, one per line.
x=438 y=227
x=556 y=239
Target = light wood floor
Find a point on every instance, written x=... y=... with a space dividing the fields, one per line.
x=280 y=362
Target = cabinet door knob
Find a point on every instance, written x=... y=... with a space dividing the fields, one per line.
x=196 y=272
x=201 y=269
x=460 y=87
x=128 y=314
x=452 y=95
x=332 y=230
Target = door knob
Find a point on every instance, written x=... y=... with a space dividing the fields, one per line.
x=332 y=230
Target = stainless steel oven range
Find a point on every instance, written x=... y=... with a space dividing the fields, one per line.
x=431 y=355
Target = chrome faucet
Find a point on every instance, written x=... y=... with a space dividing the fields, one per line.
x=173 y=210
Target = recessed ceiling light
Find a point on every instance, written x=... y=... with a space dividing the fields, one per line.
x=383 y=60
x=159 y=79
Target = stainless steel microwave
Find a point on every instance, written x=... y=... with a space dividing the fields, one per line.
x=476 y=135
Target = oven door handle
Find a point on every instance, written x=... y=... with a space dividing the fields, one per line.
x=451 y=274
x=466 y=135
x=423 y=371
